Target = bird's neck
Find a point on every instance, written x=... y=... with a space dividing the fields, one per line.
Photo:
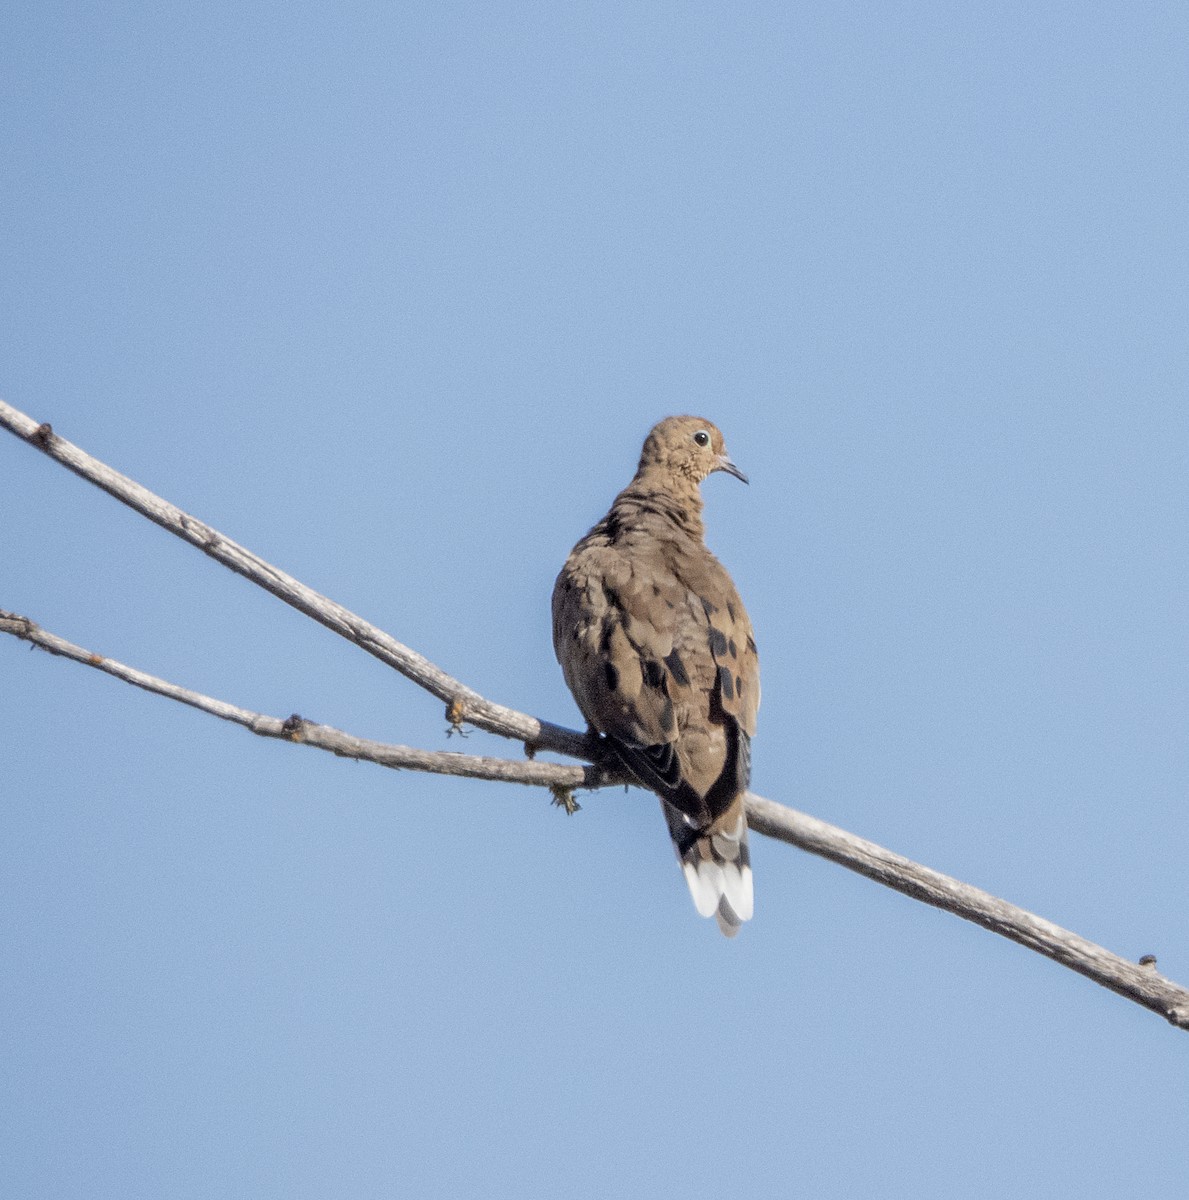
x=677 y=500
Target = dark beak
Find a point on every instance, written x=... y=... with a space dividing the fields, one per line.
x=725 y=464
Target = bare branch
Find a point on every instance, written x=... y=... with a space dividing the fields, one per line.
x=466 y=703
x=1140 y=983
x=323 y=737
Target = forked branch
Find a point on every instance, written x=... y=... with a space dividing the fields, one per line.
x=1138 y=982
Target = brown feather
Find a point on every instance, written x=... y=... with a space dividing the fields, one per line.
x=657 y=648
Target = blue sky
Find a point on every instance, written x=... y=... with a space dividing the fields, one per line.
x=391 y=294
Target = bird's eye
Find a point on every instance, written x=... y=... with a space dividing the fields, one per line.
x=702 y=438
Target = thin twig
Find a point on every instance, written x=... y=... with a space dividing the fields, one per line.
x=466 y=704
x=1140 y=983
x=323 y=737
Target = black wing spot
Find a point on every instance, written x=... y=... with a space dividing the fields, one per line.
x=654 y=677
x=731 y=612
x=612 y=674
x=726 y=683
x=664 y=761
x=743 y=761
x=667 y=722
x=656 y=767
x=718 y=642
x=708 y=608
x=677 y=668
x=732 y=649
x=739 y=685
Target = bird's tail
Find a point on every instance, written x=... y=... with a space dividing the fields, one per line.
x=716 y=864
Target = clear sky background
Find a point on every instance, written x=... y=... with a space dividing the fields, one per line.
x=391 y=294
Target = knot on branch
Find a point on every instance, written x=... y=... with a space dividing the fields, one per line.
x=43 y=435
x=293 y=727
x=20 y=625
x=203 y=536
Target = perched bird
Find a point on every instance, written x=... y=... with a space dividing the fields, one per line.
x=659 y=653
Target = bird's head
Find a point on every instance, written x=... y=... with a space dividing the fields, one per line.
x=686 y=448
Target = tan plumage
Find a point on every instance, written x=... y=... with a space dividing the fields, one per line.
x=659 y=653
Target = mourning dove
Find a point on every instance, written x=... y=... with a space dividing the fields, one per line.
x=659 y=653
